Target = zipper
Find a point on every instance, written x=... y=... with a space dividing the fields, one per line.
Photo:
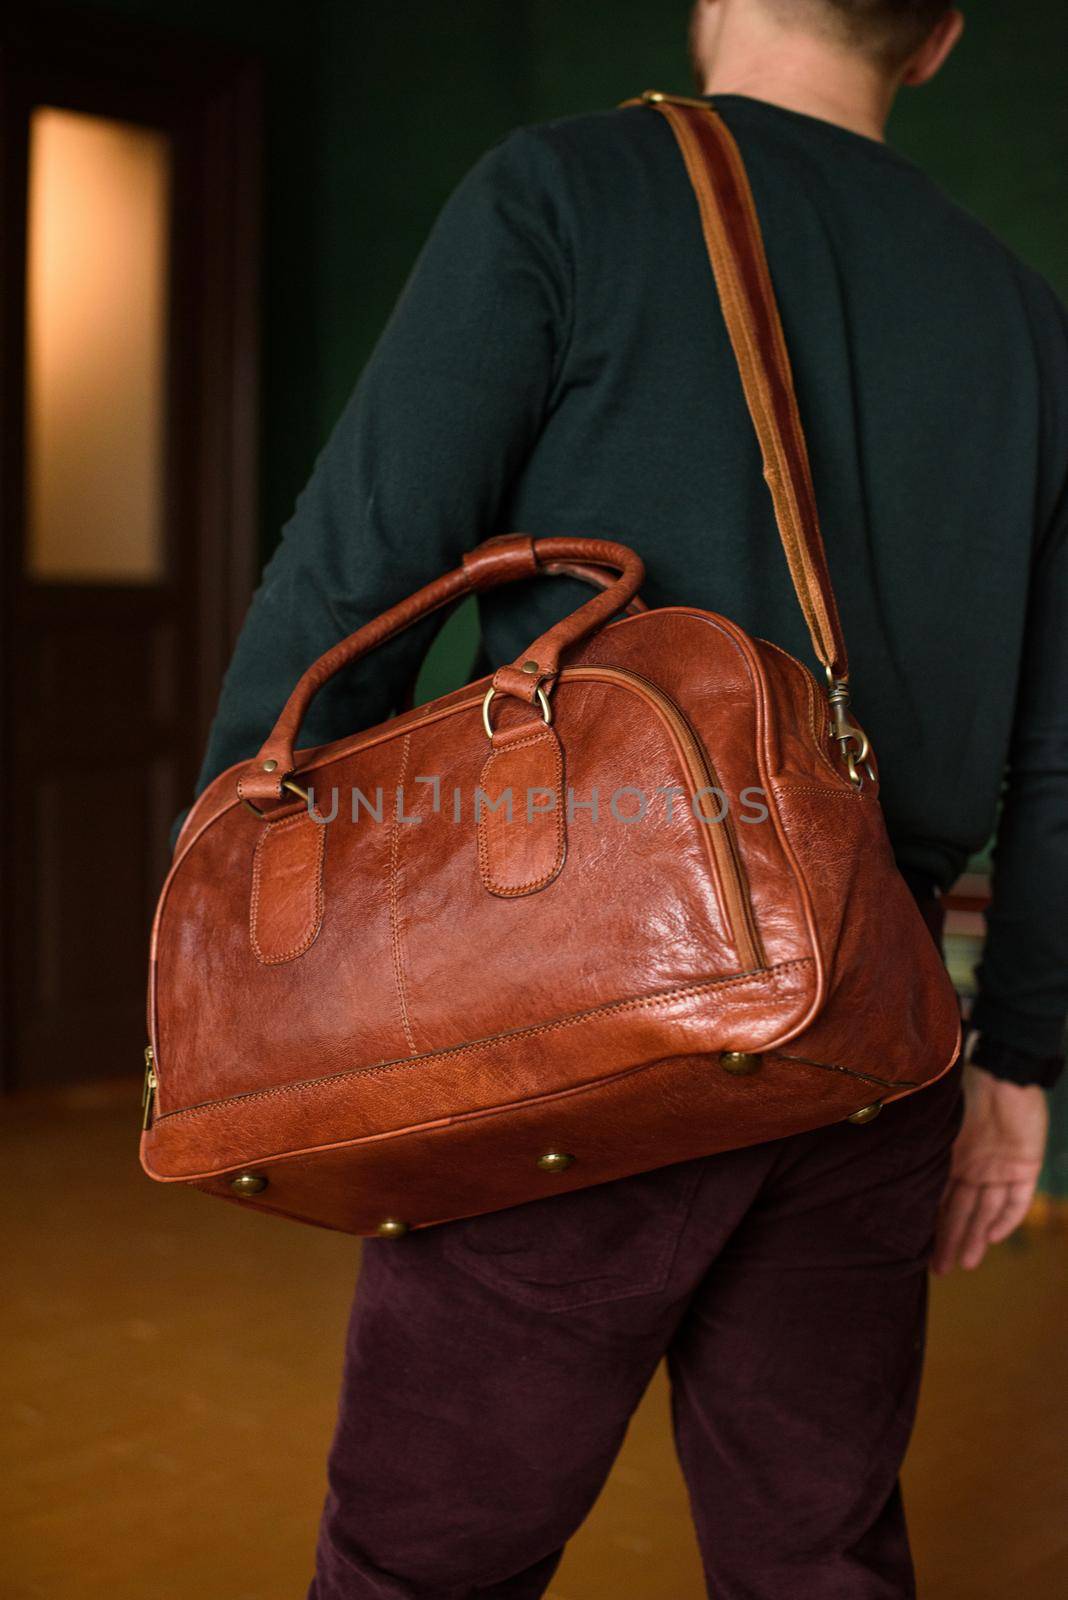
x=727 y=866
x=148 y=1093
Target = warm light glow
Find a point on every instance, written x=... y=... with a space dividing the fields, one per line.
x=96 y=348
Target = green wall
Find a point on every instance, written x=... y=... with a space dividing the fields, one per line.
x=408 y=100
x=374 y=113
x=993 y=128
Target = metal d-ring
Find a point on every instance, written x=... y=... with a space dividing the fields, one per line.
x=539 y=694
x=287 y=783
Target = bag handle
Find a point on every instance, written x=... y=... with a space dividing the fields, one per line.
x=736 y=251
x=496 y=561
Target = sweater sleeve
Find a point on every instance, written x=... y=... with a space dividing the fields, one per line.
x=1023 y=977
x=419 y=466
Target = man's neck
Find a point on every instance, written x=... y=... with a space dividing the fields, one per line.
x=806 y=76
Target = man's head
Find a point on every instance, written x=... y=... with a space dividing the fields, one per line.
x=889 y=32
x=893 y=41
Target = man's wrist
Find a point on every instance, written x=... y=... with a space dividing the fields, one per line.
x=1011 y=1064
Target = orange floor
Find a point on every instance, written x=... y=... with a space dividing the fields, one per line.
x=168 y=1370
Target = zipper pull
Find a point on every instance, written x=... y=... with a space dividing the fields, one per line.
x=149 y=1090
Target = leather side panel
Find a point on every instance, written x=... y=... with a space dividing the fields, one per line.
x=669 y=1110
x=890 y=1009
x=526 y=1064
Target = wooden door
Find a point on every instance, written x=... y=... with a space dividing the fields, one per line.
x=128 y=251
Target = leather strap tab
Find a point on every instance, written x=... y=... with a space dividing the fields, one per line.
x=522 y=835
x=501 y=560
x=735 y=248
x=286 y=910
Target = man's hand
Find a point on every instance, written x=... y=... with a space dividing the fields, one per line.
x=996 y=1162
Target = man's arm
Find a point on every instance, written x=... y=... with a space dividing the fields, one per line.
x=1017 y=1045
x=1023 y=977
x=419 y=466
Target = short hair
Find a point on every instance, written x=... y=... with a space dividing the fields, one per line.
x=889 y=30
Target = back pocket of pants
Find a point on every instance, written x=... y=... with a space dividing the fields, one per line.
x=583 y=1248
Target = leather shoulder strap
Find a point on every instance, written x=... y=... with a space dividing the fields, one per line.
x=736 y=251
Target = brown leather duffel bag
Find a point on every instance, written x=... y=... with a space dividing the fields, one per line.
x=628 y=902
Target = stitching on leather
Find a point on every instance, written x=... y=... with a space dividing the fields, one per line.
x=737 y=314
x=520 y=744
x=316 y=921
x=745 y=921
x=823 y=600
x=514 y=891
x=357 y=744
x=636 y=1003
x=750 y=655
x=813 y=714
x=208 y=1181
x=394 y=904
x=241 y=790
x=755 y=381
x=788 y=788
x=825 y=595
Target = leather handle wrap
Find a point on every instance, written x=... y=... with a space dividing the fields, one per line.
x=496 y=561
x=530 y=671
x=736 y=251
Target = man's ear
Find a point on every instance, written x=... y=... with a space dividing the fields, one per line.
x=929 y=58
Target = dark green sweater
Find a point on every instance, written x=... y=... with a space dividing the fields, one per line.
x=558 y=363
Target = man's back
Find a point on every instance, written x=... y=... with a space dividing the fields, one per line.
x=558 y=363
x=929 y=366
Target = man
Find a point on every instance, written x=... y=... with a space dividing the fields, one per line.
x=558 y=363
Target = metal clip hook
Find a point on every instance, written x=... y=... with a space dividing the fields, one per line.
x=847 y=734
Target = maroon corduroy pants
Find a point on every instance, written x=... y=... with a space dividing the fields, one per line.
x=493 y=1364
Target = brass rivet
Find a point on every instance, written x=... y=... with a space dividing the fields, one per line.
x=531 y=667
x=271 y=765
x=866 y=1113
x=247 y=1183
x=739 y=1062
x=555 y=1161
x=392 y=1228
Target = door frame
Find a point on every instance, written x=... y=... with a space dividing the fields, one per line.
x=210 y=95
